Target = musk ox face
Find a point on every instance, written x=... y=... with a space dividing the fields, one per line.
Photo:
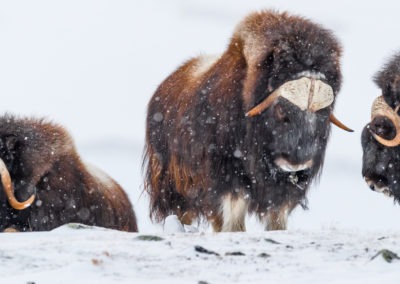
x=381 y=164
x=381 y=137
x=307 y=74
x=246 y=131
x=13 y=172
x=293 y=141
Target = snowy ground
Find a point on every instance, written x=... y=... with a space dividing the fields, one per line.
x=92 y=65
x=103 y=256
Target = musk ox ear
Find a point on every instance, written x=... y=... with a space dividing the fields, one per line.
x=11 y=142
x=392 y=92
x=8 y=149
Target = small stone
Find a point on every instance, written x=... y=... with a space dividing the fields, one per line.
x=149 y=238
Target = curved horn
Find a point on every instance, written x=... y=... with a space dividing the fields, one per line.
x=381 y=108
x=9 y=190
x=266 y=103
x=337 y=122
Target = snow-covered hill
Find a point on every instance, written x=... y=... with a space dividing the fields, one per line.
x=92 y=65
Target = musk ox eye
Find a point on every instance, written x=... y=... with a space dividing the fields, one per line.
x=280 y=114
x=383 y=127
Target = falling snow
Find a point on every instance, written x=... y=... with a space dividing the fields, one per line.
x=158 y=116
x=93 y=66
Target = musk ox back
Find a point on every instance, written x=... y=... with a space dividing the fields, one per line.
x=245 y=131
x=381 y=137
x=45 y=184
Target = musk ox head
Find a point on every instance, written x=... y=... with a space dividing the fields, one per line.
x=381 y=137
x=26 y=148
x=292 y=79
x=25 y=151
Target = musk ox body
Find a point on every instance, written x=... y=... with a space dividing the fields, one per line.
x=45 y=184
x=381 y=137
x=245 y=131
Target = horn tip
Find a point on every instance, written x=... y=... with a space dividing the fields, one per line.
x=250 y=114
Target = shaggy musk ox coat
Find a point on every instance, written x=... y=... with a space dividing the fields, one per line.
x=218 y=148
x=381 y=137
x=41 y=160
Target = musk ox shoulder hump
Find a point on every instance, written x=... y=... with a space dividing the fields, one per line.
x=202 y=64
x=100 y=175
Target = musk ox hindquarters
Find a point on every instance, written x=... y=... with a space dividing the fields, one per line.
x=45 y=184
x=245 y=131
x=381 y=137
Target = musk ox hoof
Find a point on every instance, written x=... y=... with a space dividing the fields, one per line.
x=10 y=230
x=173 y=225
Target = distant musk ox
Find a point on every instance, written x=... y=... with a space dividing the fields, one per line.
x=45 y=184
x=245 y=131
x=381 y=137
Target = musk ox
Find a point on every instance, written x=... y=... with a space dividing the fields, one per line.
x=245 y=131
x=45 y=184
x=381 y=137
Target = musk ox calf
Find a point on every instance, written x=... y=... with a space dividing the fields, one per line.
x=245 y=131
x=381 y=137
x=45 y=184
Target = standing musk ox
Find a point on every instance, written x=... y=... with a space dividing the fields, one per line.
x=45 y=184
x=245 y=131
x=381 y=137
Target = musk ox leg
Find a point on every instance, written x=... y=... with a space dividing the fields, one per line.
x=233 y=212
x=276 y=218
x=216 y=222
x=187 y=217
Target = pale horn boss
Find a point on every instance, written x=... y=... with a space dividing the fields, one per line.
x=306 y=93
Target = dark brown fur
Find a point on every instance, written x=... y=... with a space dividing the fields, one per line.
x=388 y=80
x=201 y=147
x=42 y=159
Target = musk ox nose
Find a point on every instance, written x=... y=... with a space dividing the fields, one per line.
x=383 y=127
x=287 y=166
x=370 y=183
x=376 y=182
x=379 y=185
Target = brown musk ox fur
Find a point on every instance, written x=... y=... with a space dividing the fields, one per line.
x=41 y=160
x=205 y=159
